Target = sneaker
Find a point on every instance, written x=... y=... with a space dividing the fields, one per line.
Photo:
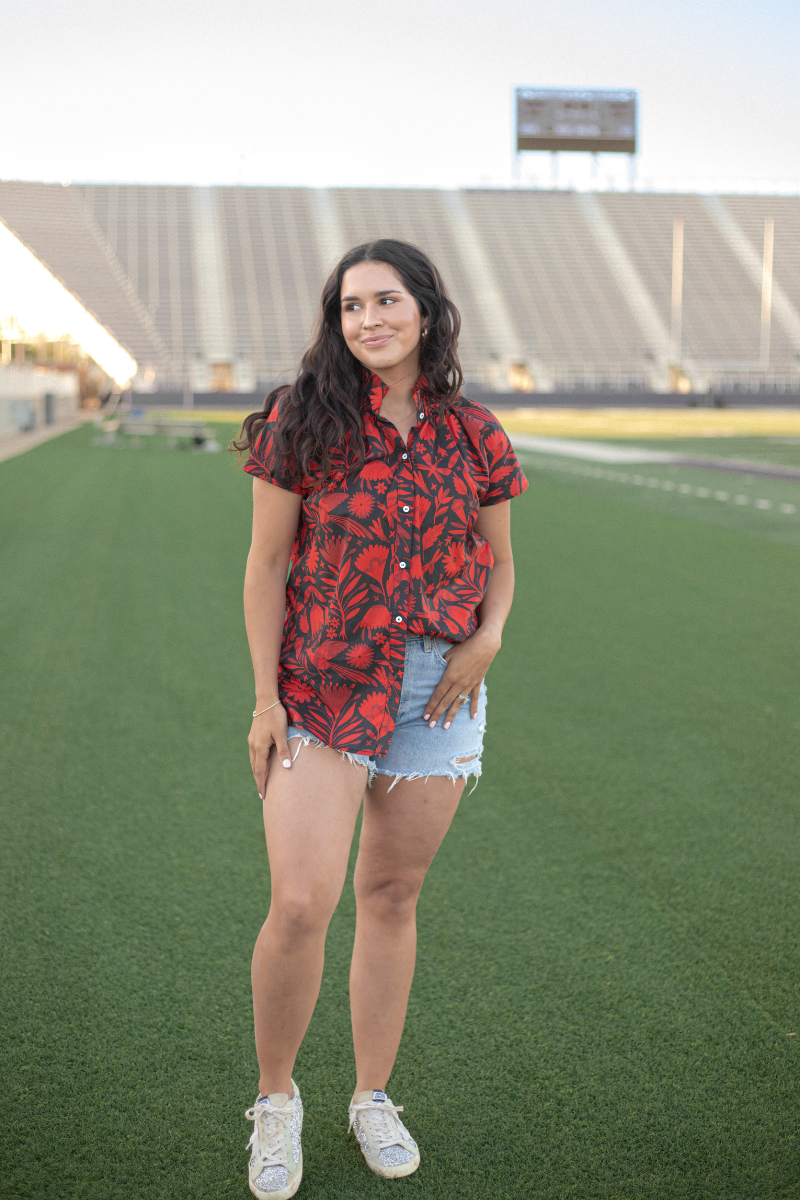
x=276 y=1158
x=388 y=1147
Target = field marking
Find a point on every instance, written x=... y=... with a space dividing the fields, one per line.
x=666 y=485
x=594 y=451
x=609 y=453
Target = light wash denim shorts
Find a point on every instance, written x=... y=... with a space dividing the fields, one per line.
x=416 y=751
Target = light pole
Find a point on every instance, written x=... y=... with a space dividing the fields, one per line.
x=677 y=290
x=766 y=291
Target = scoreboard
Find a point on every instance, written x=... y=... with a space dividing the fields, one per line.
x=573 y=119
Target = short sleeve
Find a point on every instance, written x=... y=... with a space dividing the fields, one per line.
x=259 y=460
x=506 y=477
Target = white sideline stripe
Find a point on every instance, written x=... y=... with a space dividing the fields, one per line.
x=594 y=451
x=665 y=485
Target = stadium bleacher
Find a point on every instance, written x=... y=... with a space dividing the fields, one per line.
x=62 y=235
x=217 y=288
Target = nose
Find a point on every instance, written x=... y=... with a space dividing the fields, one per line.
x=372 y=316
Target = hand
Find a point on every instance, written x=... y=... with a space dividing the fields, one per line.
x=267 y=731
x=467 y=663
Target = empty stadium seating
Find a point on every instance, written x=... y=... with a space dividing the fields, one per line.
x=215 y=284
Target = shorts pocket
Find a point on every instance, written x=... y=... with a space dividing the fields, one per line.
x=440 y=648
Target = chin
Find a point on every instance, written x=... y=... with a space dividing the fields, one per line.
x=380 y=362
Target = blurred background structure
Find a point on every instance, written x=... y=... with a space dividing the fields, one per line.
x=215 y=289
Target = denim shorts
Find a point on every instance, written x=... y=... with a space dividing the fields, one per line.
x=416 y=751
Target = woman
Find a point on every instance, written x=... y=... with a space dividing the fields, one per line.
x=387 y=494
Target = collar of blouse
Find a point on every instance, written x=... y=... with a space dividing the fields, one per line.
x=378 y=389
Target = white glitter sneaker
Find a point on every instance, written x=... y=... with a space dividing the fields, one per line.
x=276 y=1157
x=388 y=1147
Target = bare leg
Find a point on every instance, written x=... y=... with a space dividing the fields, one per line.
x=309 y=817
x=400 y=834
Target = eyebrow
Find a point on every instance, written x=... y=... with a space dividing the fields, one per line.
x=388 y=292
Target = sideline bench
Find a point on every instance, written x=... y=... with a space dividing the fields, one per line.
x=147 y=427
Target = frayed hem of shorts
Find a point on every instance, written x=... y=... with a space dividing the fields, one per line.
x=353 y=759
x=412 y=775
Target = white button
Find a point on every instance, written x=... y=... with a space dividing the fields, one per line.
x=405 y=456
x=399 y=620
x=403 y=565
x=406 y=508
x=422 y=416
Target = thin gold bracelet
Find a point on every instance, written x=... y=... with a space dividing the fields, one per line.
x=259 y=714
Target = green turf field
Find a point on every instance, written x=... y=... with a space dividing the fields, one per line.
x=608 y=980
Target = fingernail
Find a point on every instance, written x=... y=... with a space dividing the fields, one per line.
x=425 y=716
x=260 y=796
x=474 y=716
x=287 y=762
x=447 y=724
x=433 y=725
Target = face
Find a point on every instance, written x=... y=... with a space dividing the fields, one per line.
x=381 y=321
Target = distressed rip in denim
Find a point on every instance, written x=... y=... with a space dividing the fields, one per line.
x=416 y=750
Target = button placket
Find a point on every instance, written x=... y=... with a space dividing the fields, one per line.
x=403 y=527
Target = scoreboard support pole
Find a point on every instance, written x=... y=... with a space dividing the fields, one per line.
x=631 y=172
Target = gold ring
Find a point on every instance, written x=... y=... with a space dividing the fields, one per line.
x=462 y=697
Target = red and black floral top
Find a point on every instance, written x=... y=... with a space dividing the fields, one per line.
x=382 y=551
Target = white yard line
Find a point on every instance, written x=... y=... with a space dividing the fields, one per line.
x=594 y=451
x=610 y=452
x=666 y=485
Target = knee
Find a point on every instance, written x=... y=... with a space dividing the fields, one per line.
x=297 y=917
x=393 y=901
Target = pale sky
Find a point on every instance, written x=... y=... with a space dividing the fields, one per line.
x=378 y=92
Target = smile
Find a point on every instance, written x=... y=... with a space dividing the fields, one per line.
x=378 y=340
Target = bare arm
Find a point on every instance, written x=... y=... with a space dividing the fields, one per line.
x=275 y=516
x=470 y=660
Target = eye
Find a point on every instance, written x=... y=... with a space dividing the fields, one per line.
x=351 y=307
x=388 y=300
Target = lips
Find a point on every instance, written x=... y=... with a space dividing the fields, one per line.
x=376 y=341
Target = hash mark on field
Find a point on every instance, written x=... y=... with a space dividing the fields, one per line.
x=666 y=485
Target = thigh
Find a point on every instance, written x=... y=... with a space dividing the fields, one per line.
x=403 y=828
x=310 y=814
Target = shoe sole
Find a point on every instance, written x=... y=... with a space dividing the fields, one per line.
x=285 y=1193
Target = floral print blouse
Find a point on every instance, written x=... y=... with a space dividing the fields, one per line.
x=383 y=551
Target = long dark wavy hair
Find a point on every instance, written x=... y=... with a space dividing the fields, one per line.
x=322 y=410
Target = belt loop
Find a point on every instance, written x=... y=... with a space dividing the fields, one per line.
x=427 y=643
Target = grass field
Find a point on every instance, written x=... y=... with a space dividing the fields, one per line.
x=606 y=1002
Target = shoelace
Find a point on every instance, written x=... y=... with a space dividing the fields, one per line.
x=388 y=1132
x=274 y=1127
